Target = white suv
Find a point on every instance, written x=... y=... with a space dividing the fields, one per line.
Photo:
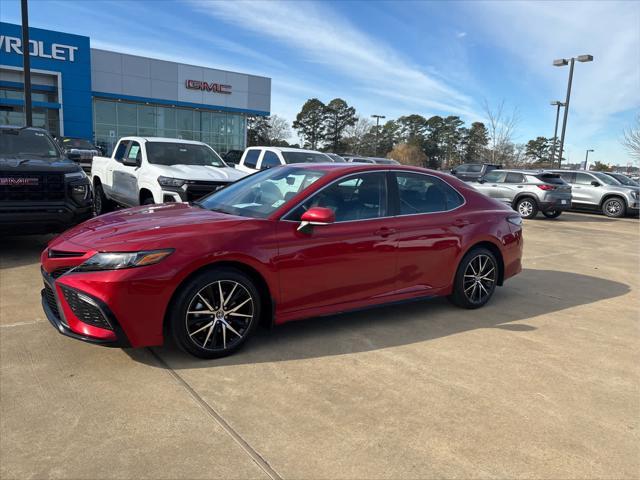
x=260 y=158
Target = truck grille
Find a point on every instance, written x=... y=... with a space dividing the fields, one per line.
x=85 y=309
x=198 y=189
x=42 y=187
x=50 y=297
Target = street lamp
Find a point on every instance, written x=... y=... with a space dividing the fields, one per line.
x=586 y=158
x=377 y=117
x=558 y=104
x=561 y=63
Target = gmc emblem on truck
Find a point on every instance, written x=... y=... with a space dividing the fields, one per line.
x=18 y=182
x=208 y=87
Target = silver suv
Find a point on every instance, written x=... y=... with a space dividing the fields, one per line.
x=527 y=191
x=597 y=190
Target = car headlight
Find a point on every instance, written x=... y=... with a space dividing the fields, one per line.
x=120 y=260
x=171 y=182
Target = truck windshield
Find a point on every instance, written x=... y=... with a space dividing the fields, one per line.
x=19 y=143
x=167 y=153
x=76 y=143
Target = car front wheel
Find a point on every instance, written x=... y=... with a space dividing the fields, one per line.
x=101 y=204
x=613 y=207
x=475 y=279
x=527 y=207
x=215 y=313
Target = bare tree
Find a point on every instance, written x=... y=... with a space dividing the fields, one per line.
x=356 y=135
x=279 y=129
x=631 y=139
x=501 y=126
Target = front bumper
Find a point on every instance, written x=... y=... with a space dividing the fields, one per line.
x=63 y=318
x=41 y=218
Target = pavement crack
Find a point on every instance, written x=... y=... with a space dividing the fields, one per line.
x=248 y=449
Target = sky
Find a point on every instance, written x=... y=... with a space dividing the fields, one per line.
x=395 y=58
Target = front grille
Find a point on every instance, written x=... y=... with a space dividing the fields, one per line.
x=39 y=187
x=85 y=309
x=198 y=189
x=64 y=254
x=50 y=297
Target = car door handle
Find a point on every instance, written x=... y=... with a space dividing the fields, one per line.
x=385 y=231
x=461 y=222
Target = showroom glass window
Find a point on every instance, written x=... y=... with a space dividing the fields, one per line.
x=425 y=194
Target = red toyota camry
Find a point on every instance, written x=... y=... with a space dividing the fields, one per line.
x=283 y=244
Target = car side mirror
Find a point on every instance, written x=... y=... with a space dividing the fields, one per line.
x=481 y=180
x=316 y=216
x=130 y=162
x=595 y=184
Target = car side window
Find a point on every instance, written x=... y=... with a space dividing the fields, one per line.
x=358 y=197
x=474 y=168
x=462 y=169
x=513 y=177
x=583 y=178
x=425 y=194
x=120 y=151
x=494 y=176
x=568 y=177
x=269 y=160
x=251 y=159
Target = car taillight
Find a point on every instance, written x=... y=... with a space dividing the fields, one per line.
x=546 y=187
x=515 y=220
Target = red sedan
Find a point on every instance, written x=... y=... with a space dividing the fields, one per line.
x=283 y=244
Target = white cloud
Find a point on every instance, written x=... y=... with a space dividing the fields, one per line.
x=461 y=34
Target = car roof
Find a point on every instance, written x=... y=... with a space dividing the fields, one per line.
x=163 y=139
x=348 y=167
x=286 y=149
x=18 y=127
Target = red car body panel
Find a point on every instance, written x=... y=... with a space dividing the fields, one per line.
x=339 y=267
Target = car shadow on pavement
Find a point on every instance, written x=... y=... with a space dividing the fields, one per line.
x=531 y=294
x=18 y=251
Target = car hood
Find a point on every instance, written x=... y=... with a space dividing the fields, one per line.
x=37 y=165
x=144 y=228
x=202 y=173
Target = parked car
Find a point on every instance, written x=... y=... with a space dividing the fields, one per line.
x=597 y=190
x=41 y=190
x=335 y=157
x=232 y=157
x=472 y=172
x=374 y=160
x=261 y=158
x=623 y=179
x=284 y=244
x=147 y=170
x=79 y=150
x=527 y=192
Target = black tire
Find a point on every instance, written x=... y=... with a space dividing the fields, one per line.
x=552 y=213
x=614 y=207
x=148 y=201
x=101 y=204
x=464 y=294
x=224 y=331
x=527 y=207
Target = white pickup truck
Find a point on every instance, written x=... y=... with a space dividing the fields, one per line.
x=146 y=170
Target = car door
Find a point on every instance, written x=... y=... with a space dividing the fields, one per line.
x=125 y=180
x=347 y=262
x=428 y=227
x=490 y=184
x=113 y=164
x=583 y=191
x=510 y=185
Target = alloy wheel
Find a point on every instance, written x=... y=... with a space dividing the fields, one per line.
x=525 y=208
x=220 y=315
x=614 y=207
x=479 y=278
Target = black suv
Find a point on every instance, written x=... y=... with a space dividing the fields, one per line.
x=41 y=190
x=79 y=150
x=472 y=172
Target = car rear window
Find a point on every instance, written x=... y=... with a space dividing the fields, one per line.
x=553 y=178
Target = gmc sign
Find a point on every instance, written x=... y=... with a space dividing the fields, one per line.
x=208 y=87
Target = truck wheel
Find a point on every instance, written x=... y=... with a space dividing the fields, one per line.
x=552 y=213
x=613 y=207
x=527 y=207
x=101 y=204
x=148 y=201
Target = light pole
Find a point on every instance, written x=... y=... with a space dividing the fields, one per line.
x=557 y=104
x=586 y=158
x=561 y=63
x=26 y=63
x=377 y=117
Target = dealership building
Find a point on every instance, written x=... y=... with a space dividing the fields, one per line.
x=79 y=91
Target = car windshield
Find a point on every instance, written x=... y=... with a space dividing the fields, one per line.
x=168 y=153
x=624 y=180
x=606 y=179
x=261 y=194
x=27 y=143
x=305 y=157
x=77 y=143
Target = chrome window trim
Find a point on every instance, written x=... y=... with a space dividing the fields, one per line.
x=464 y=199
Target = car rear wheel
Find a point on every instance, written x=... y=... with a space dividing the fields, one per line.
x=613 y=207
x=527 y=207
x=552 y=213
x=101 y=204
x=215 y=313
x=475 y=279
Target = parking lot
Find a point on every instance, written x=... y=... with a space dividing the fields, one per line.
x=541 y=383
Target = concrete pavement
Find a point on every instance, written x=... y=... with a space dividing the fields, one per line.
x=544 y=382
